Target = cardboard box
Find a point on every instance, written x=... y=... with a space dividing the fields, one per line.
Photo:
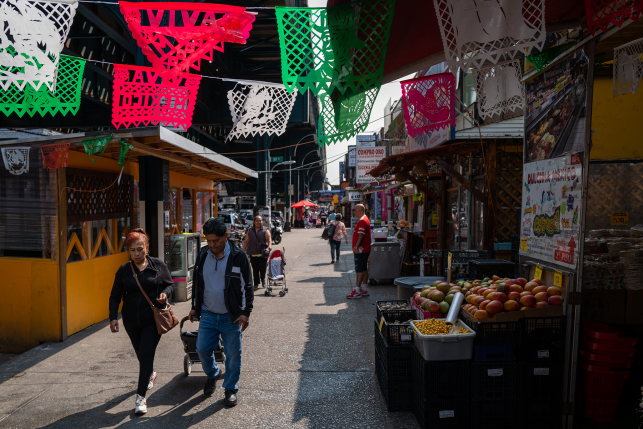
x=634 y=307
x=604 y=306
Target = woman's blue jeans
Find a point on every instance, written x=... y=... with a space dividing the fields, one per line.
x=334 y=249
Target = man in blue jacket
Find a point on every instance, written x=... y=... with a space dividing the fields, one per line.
x=222 y=300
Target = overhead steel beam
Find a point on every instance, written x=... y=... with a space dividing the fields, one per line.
x=83 y=10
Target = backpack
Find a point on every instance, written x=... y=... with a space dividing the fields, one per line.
x=329 y=232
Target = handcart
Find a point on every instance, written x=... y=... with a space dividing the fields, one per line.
x=188 y=338
x=277 y=272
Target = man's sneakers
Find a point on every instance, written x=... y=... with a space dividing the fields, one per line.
x=230 y=398
x=141 y=405
x=357 y=293
x=210 y=385
x=150 y=385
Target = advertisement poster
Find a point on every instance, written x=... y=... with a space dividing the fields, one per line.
x=555 y=112
x=428 y=140
x=551 y=210
x=367 y=159
x=351 y=156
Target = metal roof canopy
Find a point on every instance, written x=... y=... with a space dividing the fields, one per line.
x=185 y=156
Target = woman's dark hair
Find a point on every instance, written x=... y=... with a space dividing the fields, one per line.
x=338 y=217
x=135 y=235
x=215 y=226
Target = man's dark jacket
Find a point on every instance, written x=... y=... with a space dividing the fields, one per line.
x=238 y=292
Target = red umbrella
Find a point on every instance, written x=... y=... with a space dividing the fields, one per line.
x=303 y=203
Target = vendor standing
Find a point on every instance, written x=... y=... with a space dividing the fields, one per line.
x=258 y=245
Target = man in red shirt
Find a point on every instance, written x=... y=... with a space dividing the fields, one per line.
x=362 y=250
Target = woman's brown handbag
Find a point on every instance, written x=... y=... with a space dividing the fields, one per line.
x=165 y=319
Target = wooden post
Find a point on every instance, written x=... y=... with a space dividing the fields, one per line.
x=193 y=210
x=216 y=203
x=113 y=234
x=490 y=220
x=87 y=238
x=61 y=238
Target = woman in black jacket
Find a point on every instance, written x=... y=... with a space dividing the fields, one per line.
x=138 y=317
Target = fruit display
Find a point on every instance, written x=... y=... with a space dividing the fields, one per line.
x=394 y=306
x=490 y=296
x=437 y=297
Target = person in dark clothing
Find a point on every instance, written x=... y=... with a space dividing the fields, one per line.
x=222 y=301
x=138 y=317
x=258 y=238
x=323 y=217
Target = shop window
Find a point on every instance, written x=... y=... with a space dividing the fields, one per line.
x=186 y=206
x=204 y=211
x=94 y=239
x=28 y=210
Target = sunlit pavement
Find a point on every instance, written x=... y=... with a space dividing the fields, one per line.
x=308 y=361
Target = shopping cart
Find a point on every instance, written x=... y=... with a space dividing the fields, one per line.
x=188 y=338
x=277 y=272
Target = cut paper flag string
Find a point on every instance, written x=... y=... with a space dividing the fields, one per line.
x=542 y=59
x=177 y=36
x=601 y=13
x=54 y=155
x=125 y=146
x=259 y=109
x=16 y=159
x=341 y=47
x=31 y=41
x=97 y=145
x=428 y=103
x=142 y=96
x=628 y=67
x=65 y=99
x=499 y=89
x=344 y=115
x=480 y=33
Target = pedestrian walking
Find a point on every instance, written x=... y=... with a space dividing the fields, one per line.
x=222 y=300
x=258 y=245
x=314 y=219
x=336 y=239
x=331 y=216
x=138 y=317
x=323 y=217
x=362 y=250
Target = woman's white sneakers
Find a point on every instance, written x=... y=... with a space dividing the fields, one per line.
x=150 y=385
x=141 y=405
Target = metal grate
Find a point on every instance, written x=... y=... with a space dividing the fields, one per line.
x=115 y=202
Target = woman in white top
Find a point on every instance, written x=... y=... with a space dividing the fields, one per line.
x=336 y=239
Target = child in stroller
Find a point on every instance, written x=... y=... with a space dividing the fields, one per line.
x=277 y=272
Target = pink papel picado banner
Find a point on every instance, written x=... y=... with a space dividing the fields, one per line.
x=428 y=103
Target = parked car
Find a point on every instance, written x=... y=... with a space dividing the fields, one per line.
x=231 y=220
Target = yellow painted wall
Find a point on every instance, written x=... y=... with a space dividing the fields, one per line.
x=31 y=303
x=617 y=121
x=88 y=286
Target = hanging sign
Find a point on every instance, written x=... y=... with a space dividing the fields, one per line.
x=539 y=272
x=601 y=13
x=143 y=96
x=428 y=103
x=55 y=155
x=16 y=159
x=619 y=218
x=499 y=90
x=65 y=99
x=355 y=197
x=352 y=160
x=551 y=209
x=367 y=159
x=341 y=47
x=628 y=67
x=478 y=32
x=34 y=33
x=176 y=36
x=259 y=109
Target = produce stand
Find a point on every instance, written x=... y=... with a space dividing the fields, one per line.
x=406 y=285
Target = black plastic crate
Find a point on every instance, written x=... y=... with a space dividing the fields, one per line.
x=543 y=328
x=462 y=257
x=541 y=351
x=449 y=413
x=396 y=391
x=397 y=334
x=515 y=248
x=494 y=352
x=541 y=380
x=543 y=339
x=493 y=332
x=395 y=359
x=495 y=415
x=395 y=314
x=493 y=380
x=481 y=268
x=433 y=380
x=541 y=414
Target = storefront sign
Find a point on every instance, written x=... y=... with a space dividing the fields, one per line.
x=429 y=140
x=551 y=210
x=354 y=197
x=328 y=196
x=619 y=218
x=351 y=156
x=341 y=171
x=368 y=159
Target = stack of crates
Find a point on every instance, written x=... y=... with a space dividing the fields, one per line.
x=393 y=342
x=440 y=393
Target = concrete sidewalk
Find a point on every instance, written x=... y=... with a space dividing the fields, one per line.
x=308 y=361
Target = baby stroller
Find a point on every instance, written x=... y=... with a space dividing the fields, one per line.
x=277 y=272
x=189 y=345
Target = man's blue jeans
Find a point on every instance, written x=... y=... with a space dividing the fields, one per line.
x=210 y=327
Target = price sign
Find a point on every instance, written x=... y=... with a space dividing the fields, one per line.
x=381 y=323
x=558 y=278
x=434 y=218
x=539 y=272
x=523 y=244
x=619 y=218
